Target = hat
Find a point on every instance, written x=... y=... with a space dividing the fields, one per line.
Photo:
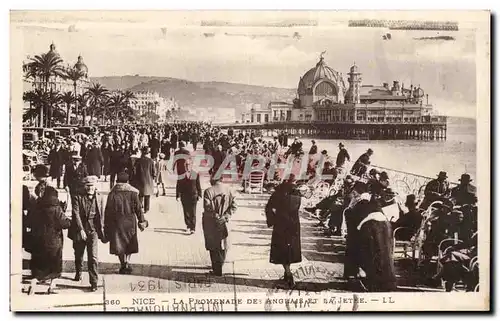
x=41 y=171
x=442 y=175
x=465 y=178
x=122 y=177
x=383 y=176
x=146 y=150
x=411 y=199
x=341 y=145
x=313 y=141
x=373 y=171
x=324 y=152
x=182 y=144
x=162 y=155
x=360 y=187
x=89 y=180
x=370 y=150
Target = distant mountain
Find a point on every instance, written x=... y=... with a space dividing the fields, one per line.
x=200 y=94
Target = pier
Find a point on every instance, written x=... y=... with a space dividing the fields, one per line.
x=431 y=130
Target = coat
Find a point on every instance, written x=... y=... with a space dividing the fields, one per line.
x=106 y=157
x=73 y=177
x=94 y=161
x=164 y=171
x=376 y=253
x=47 y=221
x=189 y=188
x=218 y=206
x=282 y=214
x=56 y=161
x=145 y=174
x=79 y=216
x=180 y=157
x=123 y=211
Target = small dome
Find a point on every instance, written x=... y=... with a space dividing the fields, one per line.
x=53 y=51
x=354 y=68
x=321 y=71
x=81 y=66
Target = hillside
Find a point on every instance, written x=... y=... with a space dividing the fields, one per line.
x=200 y=94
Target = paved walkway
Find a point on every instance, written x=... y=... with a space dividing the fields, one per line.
x=171 y=261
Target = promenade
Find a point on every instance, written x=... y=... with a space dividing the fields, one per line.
x=171 y=261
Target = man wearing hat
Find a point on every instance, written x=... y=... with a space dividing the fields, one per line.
x=41 y=173
x=342 y=156
x=56 y=159
x=145 y=174
x=180 y=157
x=465 y=192
x=436 y=190
x=123 y=214
x=218 y=207
x=188 y=189
x=410 y=220
x=314 y=148
x=74 y=174
x=362 y=163
x=87 y=228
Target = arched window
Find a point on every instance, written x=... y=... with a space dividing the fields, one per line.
x=325 y=89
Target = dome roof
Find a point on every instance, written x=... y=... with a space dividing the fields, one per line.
x=354 y=68
x=321 y=71
x=53 y=51
x=81 y=66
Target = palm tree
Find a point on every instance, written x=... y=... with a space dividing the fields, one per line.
x=53 y=99
x=129 y=97
x=97 y=95
x=82 y=102
x=44 y=67
x=36 y=99
x=68 y=99
x=117 y=102
x=74 y=75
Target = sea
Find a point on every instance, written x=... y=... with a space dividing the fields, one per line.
x=455 y=155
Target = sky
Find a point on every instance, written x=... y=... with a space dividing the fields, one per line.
x=245 y=49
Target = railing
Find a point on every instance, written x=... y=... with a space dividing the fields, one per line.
x=405 y=183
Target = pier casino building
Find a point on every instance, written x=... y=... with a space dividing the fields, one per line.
x=337 y=107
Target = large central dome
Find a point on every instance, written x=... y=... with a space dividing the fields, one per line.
x=319 y=72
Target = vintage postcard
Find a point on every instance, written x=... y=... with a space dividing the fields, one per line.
x=194 y=161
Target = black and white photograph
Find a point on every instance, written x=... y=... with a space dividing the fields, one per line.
x=221 y=161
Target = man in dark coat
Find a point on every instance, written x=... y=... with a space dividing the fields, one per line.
x=87 y=228
x=166 y=147
x=118 y=162
x=47 y=221
x=94 y=160
x=342 y=156
x=465 y=192
x=188 y=189
x=73 y=176
x=314 y=148
x=362 y=162
x=282 y=213
x=180 y=158
x=145 y=174
x=57 y=159
x=436 y=190
x=123 y=215
x=154 y=144
x=218 y=206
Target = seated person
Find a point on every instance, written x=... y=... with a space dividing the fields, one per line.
x=410 y=221
x=464 y=193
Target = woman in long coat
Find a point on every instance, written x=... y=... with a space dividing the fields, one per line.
x=94 y=161
x=106 y=151
x=47 y=223
x=122 y=214
x=282 y=213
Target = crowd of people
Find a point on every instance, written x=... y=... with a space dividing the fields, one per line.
x=142 y=161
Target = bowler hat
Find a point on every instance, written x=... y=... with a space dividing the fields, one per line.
x=89 y=180
x=370 y=150
x=383 y=176
x=465 y=178
x=443 y=174
x=324 y=152
x=341 y=145
x=411 y=199
x=41 y=171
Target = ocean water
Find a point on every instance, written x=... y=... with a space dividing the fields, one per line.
x=456 y=155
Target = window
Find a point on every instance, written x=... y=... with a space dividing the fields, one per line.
x=251 y=119
x=266 y=118
x=288 y=114
x=258 y=118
